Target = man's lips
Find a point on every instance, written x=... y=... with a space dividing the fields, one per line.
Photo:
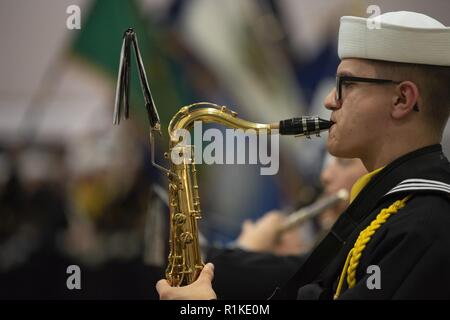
x=333 y=124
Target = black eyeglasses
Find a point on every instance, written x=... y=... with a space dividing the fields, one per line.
x=340 y=80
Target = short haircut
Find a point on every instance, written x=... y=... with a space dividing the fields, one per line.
x=433 y=83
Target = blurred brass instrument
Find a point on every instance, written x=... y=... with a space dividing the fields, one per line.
x=184 y=261
x=309 y=212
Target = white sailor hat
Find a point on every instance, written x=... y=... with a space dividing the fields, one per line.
x=402 y=36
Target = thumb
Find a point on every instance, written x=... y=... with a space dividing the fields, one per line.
x=162 y=285
x=207 y=273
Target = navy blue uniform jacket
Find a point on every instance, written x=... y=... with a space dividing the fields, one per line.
x=412 y=249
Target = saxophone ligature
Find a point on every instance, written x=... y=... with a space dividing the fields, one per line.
x=184 y=261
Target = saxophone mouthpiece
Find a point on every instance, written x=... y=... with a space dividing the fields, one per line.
x=304 y=126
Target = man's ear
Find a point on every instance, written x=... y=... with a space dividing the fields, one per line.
x=405 y=99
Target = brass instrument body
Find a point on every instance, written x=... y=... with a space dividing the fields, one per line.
x=185 y=262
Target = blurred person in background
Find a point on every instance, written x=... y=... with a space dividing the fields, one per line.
x=259 y=252
x=260 y=236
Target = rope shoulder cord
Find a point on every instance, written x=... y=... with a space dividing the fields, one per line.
x=354 y=255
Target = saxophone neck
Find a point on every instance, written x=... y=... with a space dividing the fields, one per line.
x=210 y=112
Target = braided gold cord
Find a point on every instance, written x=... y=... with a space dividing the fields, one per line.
x=354 y=256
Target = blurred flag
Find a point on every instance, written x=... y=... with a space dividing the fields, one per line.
x=99 y=43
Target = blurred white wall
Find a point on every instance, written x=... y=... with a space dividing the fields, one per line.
x=34 y=38
x=69 y=99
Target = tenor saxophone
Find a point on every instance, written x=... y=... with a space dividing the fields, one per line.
x=184 y=261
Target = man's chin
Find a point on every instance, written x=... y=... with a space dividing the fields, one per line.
x=332 y=148
x=335 y=151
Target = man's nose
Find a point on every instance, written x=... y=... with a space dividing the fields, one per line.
x=330 y=101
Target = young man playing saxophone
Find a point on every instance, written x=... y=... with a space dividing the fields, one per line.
x=390 y=107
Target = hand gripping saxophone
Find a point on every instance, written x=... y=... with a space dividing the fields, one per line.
x=184 y=261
